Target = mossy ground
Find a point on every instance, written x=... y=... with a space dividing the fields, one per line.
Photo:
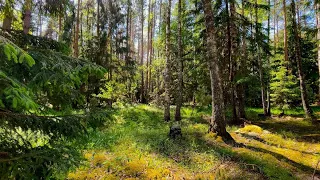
x=137 y=146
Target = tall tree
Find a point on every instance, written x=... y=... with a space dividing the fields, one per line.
x=77 y=30
x=303 y=89
x=142 y=92
x=8 y=14
x=167 y=77
x=317 y=13
x=217 y=122
x=27 y=16
x=180 y=66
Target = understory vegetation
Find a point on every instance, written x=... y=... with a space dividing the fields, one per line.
x=136 y=147
x=159 y=89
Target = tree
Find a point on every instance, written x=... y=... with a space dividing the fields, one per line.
x=8 y=12
x=167 y=75
x=180 y=66
x=217 y=122
x=298 y=58
x=27 y=16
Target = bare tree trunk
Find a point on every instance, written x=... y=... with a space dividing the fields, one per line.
x=148 y=48
x=27 y=16
x=318 y=42
x=285 y=37
x=98 y=18
x=167 y=77
x=76 y=39
x=142 y=95
x=217 y=123
x=8 y=13
x=303 y=89
x=262 y=84
x=180 y=61
x=268 y=61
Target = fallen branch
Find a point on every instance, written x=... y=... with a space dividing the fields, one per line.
x=315 y=170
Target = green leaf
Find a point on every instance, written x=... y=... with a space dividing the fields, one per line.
x=29 y=60
x=15 y=58
x=21 y=58
x=7 y=52
x=14 y=102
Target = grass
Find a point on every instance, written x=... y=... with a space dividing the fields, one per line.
x=136 y=146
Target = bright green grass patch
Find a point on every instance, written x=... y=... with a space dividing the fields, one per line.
x=137 y=146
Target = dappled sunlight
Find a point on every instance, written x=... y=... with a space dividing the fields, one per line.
x=141 y=149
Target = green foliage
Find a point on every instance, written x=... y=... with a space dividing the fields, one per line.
x=283 y=86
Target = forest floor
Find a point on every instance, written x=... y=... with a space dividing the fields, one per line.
x=136 y=146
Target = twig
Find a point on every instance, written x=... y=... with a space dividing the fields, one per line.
x=315 y=170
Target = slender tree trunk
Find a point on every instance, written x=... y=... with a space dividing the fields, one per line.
x=27 y=16
x=318 y=42
x=285 y=36
x=98 y=18
x=217 y=123
x=241 y=68
x=180 y=70
x=142 y=95
x=262 y=84
x=8 y=13
x=76 y=39
x=268 y=61
x=303 y=89
x=128 y=31
x=167 y=77
x=148 y=48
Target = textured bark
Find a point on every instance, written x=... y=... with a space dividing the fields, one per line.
x=262 y=84
x=98 y=18
x=76 y=37
x=167 y=76
x=217 y=122
x=268 y=61
x=318 y=42
x=303 y=89
x=285 y=31
x=8 y=13
x=142 y=94
x=27 y=16
x=180 y=70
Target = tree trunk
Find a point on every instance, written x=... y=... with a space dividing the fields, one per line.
x=217 y=123
x=262 y=84
x=142 y=94
x=268 y=61
x=318 y=42
x=8 y=13
x=285 y=36
x=76 y=38
x=180 y=70
x=303 y=89
x=98 y=18
x=27 y=16
x=167 y=77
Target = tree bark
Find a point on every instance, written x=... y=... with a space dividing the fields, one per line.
x=76 y=38
x=262 y=84
x=285 y=36
x=217 y=122
x=27 y=16
x=8 y=13
x=318 y=42
x=167 y=77
x=303 y=89
x=180 y=61
x=142 y=93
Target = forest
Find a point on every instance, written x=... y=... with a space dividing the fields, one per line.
x=160 y=89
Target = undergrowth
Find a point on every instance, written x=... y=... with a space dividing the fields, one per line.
x=137 y=146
